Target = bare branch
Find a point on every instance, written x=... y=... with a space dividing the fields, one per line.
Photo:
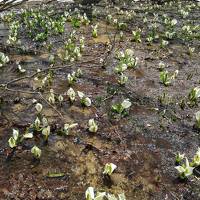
x=7 y=4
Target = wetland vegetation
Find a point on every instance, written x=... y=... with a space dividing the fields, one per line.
x=99 y=100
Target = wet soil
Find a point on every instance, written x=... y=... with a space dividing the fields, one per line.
x=143 y=144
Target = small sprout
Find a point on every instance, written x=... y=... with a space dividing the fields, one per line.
x=85 y=20
x=197 y=117
x=92 y=126
x=196 y=159
x=109 y=168
x=126 y=58
x=44 y=122
x=129 y=53
x=122 y=79
x=187 y=29
x=145 y=20
x=13 y=141
x=193 y=96
x=38 y=107
x=52 y=59
x=126 y=104
x=71 y=94
x=122 y=196
x=173 y=22
x=51 y=98
x=174 y=75
x=85 y=101
x=109 y=19
x=15 y=134
x=161 y=65
x=46 y=132
x=82 y=43
x=28 y=135
x=3 y=59
x=68 y=127
x=60 y=98
x=149 y=39
x=169 y=35
x=111 y=197
x=121 y=35
x=121 y=67
x=89 y=194
x=184 y=13
x=36 y=152
x=136 y=35
x=179 y=157
x=71 y=78
x=185 y=170
x=20 y=69
x=101 y=60
x=37 y=124
x=121 y=26
x=164 y=43
x=165 y=99
x=100 y=196
x=166 y=78
x=95 y=31
x=121 y=107
x=79 y=73
x=191 y=50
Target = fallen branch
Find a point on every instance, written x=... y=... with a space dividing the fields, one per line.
x=7 y=4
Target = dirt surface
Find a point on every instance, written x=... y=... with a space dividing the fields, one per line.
x=142 y=144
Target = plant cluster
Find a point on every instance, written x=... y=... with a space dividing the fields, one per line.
x=166 y=78
x=90 y=194
x=3 y=59
x=193 y=96
x=186 y=169
x=72 y=50
x=122 y=108
x=77 y=19
x=126 y=60
x=13 y=37
x=40 y=24
x=109 y=168
x=72 y=78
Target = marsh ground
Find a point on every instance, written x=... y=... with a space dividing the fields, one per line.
x=143 y=144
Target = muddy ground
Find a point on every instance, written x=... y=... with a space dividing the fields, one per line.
x=143 y=144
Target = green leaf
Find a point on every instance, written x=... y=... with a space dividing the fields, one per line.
x=89 y=194
x=28 y=135
x=55 y=175
x=111 y=197
x=122 y=196
x=100 y=196
x=109 y=168
x=12 y=142
x=36 y=152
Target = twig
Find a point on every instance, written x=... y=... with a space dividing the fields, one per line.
x=109 y=97
x=20 y=91
x=59 y=113
x=9 y=4
x=170 y=192
x=5 y=85
x=111 y=50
